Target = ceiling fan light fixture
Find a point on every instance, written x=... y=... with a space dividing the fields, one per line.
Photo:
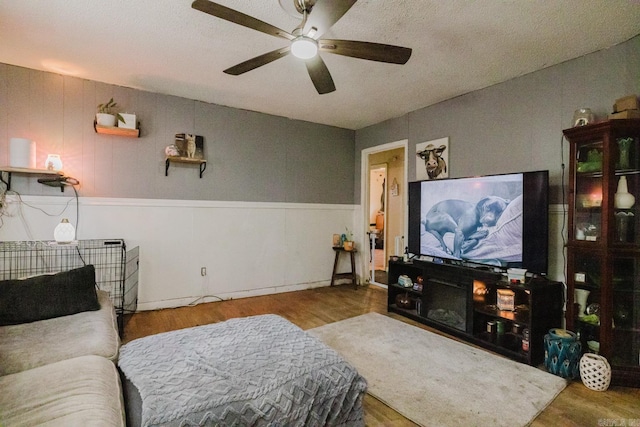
x=304 y=47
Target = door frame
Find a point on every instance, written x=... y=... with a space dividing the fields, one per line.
x=365 y=191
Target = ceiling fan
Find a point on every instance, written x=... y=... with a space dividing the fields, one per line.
x=305 y=43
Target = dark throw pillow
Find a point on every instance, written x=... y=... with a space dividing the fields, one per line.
x=48 y=296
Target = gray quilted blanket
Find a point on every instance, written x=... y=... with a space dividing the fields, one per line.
x=252 y=371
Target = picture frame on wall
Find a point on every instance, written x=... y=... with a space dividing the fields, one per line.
x=432 y=159
x=190 y=146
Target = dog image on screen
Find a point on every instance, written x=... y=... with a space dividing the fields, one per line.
x=469 y=223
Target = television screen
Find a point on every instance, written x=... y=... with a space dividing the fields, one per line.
x=496 y=220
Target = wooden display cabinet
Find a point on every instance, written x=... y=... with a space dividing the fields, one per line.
x=603 y=248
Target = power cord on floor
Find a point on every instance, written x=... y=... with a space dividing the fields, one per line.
x=195 y=302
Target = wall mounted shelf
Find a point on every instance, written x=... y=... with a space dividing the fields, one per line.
x=116 y=131
x=177 y=159
x=9 y=170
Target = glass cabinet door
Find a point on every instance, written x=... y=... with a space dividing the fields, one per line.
x=588 y=192
x=625 y=322
x=626 y=187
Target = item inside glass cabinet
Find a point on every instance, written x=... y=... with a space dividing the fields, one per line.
x=624 y=226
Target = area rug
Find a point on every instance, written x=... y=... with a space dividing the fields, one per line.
x=437 y=381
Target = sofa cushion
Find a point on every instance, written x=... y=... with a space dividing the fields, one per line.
x=48 y=296
x=77 y=392
x=34 y=344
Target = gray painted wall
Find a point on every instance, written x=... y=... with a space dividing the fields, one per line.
x=516 y=125
x=512 y=126
x=251 y=156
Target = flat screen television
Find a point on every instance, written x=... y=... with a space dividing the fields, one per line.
x=493 y=220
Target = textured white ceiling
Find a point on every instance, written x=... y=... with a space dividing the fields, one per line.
x=166 y=46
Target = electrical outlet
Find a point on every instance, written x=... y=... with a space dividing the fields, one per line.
x=203 y=271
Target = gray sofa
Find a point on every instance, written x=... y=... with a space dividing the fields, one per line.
x=59 y=346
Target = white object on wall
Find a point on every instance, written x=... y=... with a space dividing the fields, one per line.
x=22 y=153
x=53 y=162
x=129 y=121
x=64 y=232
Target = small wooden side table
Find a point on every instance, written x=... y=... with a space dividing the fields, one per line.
x=348 y=275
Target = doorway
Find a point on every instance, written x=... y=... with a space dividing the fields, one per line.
x=384 y=177
x=377 y=219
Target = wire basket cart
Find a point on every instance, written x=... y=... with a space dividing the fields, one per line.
x=20 y=259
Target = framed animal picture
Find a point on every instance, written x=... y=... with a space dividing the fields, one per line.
x=190 y=146
x=432 y=159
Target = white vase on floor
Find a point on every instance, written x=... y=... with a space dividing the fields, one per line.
x=595 y=372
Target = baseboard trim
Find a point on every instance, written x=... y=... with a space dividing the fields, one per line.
x=182 y=302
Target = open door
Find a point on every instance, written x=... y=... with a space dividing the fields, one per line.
x=384 y=178
x=377 y=218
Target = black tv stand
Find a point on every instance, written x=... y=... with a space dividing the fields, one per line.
x=462 y=301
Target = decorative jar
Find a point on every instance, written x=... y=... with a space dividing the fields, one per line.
x=582 y=117
x=64 y=232
x=53 y=162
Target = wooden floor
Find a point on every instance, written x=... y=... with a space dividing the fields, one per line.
x=575 y=406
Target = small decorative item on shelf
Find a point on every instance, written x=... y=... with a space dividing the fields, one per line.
x=336 y=240
x=582 y=117
x=506 y=299
x=591 y=232
x=404 y=301
x=593 y=163
x=53 y=162
x=581 y=296
x=106 y=116
x=516 y=274
x=22 y=153
x=64 y=232
x=128 y=121
x=348 y=243
x=624 y=147
x=623 y=199
x=405 y=281
x=171 y=151
x=593 y=308
x=624 y=226
x=595 y=372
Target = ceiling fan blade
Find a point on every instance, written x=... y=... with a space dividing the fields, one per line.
x=320 y=75
x=324 y=14
x=366 y=50
x=239 y=18
x=258 y=61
